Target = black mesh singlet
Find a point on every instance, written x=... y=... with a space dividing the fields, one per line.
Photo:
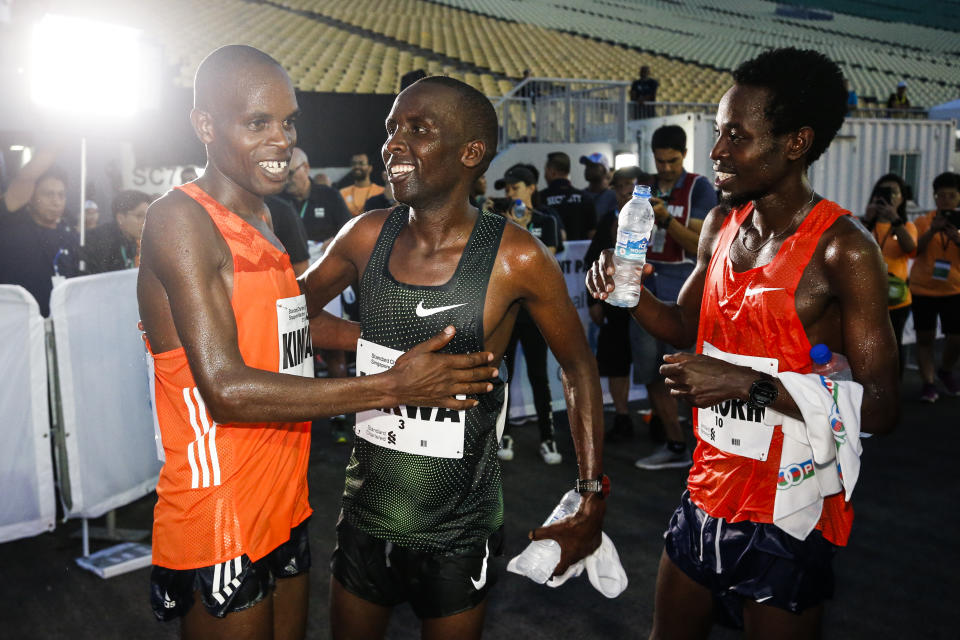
x=431 y=504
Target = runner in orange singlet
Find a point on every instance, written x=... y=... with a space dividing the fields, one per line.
x=229 y=335
x=778 y=269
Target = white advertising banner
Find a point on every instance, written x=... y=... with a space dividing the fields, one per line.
x=104 y=389
x=27 y=504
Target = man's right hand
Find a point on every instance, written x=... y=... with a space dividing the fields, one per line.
x=423 y=377
x=600 y=277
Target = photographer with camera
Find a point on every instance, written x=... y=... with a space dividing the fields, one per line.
x=935 y=285
x=886 y=218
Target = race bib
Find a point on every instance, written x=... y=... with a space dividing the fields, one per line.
x=734 y=426
x=424 y=431
x=293 y=329
x=941 y=269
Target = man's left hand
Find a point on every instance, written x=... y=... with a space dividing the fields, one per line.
x=703 y=381
x=578 y=535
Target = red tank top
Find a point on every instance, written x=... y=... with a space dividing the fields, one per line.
x=663 y=248
x=231 y=489
x=753 y=313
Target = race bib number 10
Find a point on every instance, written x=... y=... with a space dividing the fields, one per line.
x=425 y=431
x=734 y=426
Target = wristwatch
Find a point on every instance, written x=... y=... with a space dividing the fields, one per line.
x=763 y=392
x=665 y=222
x=600 y=485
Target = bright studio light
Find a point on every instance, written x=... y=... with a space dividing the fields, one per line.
x=85 y=66
x=625 y=160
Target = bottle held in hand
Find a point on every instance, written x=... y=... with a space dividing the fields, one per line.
x=540 y=558
x=635 y=223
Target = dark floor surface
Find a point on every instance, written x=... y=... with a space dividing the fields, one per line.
x=896 y=579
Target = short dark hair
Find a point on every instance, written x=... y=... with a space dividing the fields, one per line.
x=222 y=65
x=477 y=114
x=559 y=161
x=671 y=136
x=128 y=200
x=947 y=180
x=806 y=90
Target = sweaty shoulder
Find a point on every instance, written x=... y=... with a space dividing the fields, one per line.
x=175 y=222
x=519 y=249
x=846 y=244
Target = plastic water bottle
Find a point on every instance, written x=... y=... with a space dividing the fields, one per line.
x=830 y=365
x=540 y=558
x=635 y=225
x=519 y=209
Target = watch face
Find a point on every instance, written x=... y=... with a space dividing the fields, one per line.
x=762 y=393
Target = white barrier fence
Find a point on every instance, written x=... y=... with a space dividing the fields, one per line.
x=27 y=503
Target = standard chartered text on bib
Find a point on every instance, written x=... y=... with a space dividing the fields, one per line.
x=734 y=426
x=425 y=431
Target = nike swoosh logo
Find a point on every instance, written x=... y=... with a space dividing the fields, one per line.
x=753 y=292
x=423 y=313
x=478 y=584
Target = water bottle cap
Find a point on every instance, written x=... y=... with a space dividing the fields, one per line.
x=641 y=191
x=821 y=354
x=518 y=203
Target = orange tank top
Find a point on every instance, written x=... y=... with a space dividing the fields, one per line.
x=231 y=489
x=754 y=314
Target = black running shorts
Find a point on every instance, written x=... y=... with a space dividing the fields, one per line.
x=749 y=560
x=435 y=585
x=233 y=585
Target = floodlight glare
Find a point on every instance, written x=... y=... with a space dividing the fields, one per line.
x=85 y=66
x=625 y=160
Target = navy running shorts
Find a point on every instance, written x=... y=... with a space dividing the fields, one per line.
x=436 y=585
x=749 y=560
x=230 y=586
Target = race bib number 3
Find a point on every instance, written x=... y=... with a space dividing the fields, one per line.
x=293 y=328
x=734 y=426
x=425 y=431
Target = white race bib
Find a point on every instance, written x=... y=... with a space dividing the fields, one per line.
x=734 y=426
x=293 y=329
x=425 y=431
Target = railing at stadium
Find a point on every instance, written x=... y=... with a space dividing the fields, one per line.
x=569 y=110
x=563 y=110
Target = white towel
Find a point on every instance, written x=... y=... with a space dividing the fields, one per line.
x=821 y=453
x=603 y=566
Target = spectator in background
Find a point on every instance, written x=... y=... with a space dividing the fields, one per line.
x=886 y=219
x=935 y=285
x=680 y=202
x=188 y=174
x=898 y=101
x=116 y=245
x=320 y=208
x=478 y=195
x=35 y=245
x=613 y=359
x=362 y=188
x=644 y=90
x=383 y=200
x=519 y=183
x=322 y=179
x=290 y=232
x=853 y=102
x=91 y=214
x=574 y=207
x=596 y=172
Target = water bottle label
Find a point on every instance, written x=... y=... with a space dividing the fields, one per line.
x=631 y=245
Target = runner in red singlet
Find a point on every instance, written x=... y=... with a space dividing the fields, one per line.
x=779 y=269
x=228 y=332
